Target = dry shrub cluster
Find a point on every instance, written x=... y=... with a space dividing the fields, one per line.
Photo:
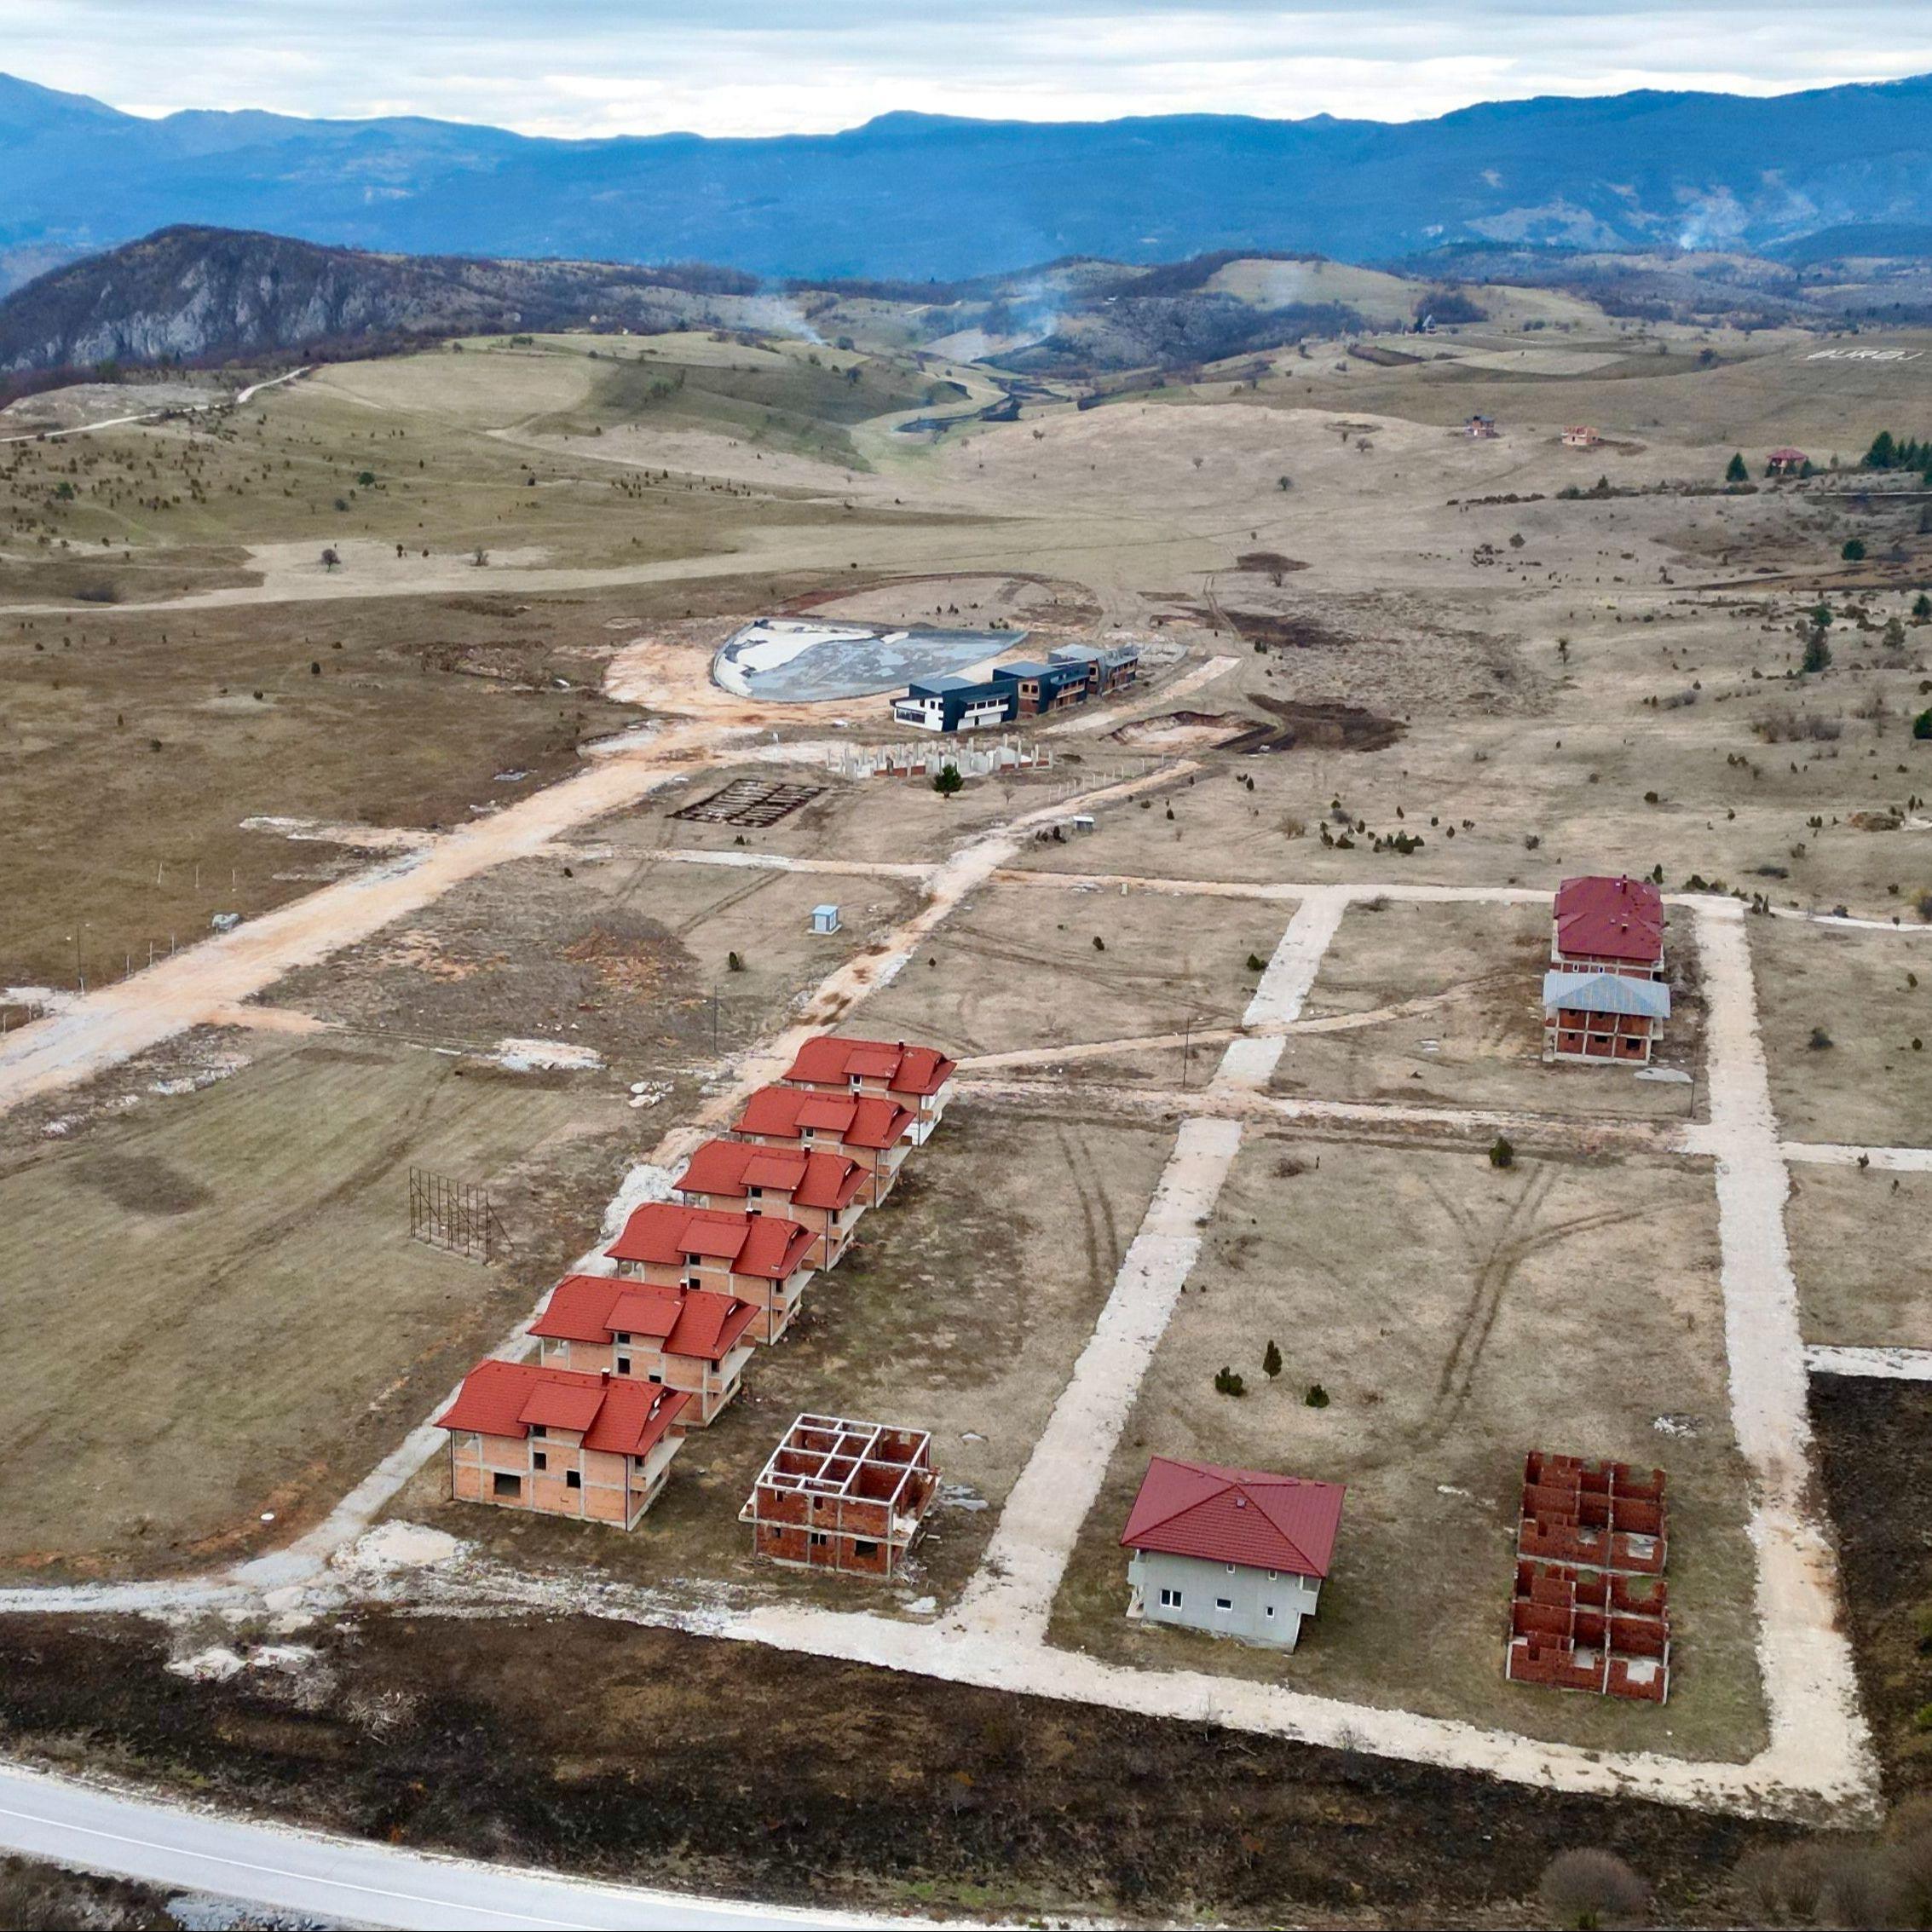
x=1791 y=727
x=1854 y=1881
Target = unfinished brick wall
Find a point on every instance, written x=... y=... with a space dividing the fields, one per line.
x=1590 y=1610
x=839 y=1495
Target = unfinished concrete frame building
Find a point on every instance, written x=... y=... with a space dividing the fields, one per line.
x=841 y=1495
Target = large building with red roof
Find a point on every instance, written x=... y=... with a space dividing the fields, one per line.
x=873 y=1129
x=1604 y=996
x=918 y=1078
x=1608 y=926
x=824 y=1192
x=1238 y=1553
x=594 y=1447
x=673 y=1337
x=764 y=1259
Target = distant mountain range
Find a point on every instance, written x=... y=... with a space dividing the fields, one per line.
x=916 y=196
x=193 y=295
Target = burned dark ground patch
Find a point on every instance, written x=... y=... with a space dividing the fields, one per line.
x=650 y=1755
x=1876 y=1439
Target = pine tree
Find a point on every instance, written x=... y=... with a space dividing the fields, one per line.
x=1271 y=1362
x=1736 y=472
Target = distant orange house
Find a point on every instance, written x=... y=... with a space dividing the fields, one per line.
x=678 y=1338
x=873 y=1129
x=765 y=1259
x=594 y=1447
x=919 y=1078
x=821 y=1191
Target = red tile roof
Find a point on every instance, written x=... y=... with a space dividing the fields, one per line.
x=1609 y=919
x=664 y=1232
x=830 y=1060
x=552 y=1405
x=1245 y=1516
x=694 y=1322
x=857 y=1120
x=506 y=1398
x=819 y=1179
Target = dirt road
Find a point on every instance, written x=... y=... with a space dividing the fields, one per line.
x=193 y=988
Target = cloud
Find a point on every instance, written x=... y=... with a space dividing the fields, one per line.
x=587 y=68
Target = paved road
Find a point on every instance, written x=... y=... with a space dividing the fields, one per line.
x=335 y=1878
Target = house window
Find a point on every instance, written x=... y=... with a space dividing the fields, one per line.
x=1231 y=1569
x=1270 y=1576
x=640 y=1462
x=1223 y=1604
x=537 y=1429
x=623 y=1364
x=539 y=1459
x=1268 y=1611
x=656 y=1375
x=1170 y=1599
x=819 y=1538
x=623 y=1340
x=573 y=1478
x=861 y=1547
x=509 y=1486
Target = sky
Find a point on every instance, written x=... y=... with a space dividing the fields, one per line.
x=597 y=67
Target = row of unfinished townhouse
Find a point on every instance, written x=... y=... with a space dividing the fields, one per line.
x=629 y=1361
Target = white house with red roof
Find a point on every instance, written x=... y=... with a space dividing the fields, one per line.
x=824 y=1192
x=765 y=1259
x=919 y=1078
x=594 y=1447
x=1238 y=1553
x=873 y=1129
x=673 y=1337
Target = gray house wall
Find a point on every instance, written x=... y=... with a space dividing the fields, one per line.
x=1203 y=1586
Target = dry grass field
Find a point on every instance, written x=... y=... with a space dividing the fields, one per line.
x=1438 y=642
x=1840 y=1012
x=623 y=956
x=1018 y=968
x=1861 y=1248
x=960 y=1310
x=1571 y=1307
x=211 y=1307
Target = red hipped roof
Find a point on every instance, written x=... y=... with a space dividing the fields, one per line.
x=664 y=1232
x=856 y=1120
x=692 y=1322
x=830 y=1060
x=507 y=1398
x=1245 y=1516
x=819 y=1179
x=1609 y=919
